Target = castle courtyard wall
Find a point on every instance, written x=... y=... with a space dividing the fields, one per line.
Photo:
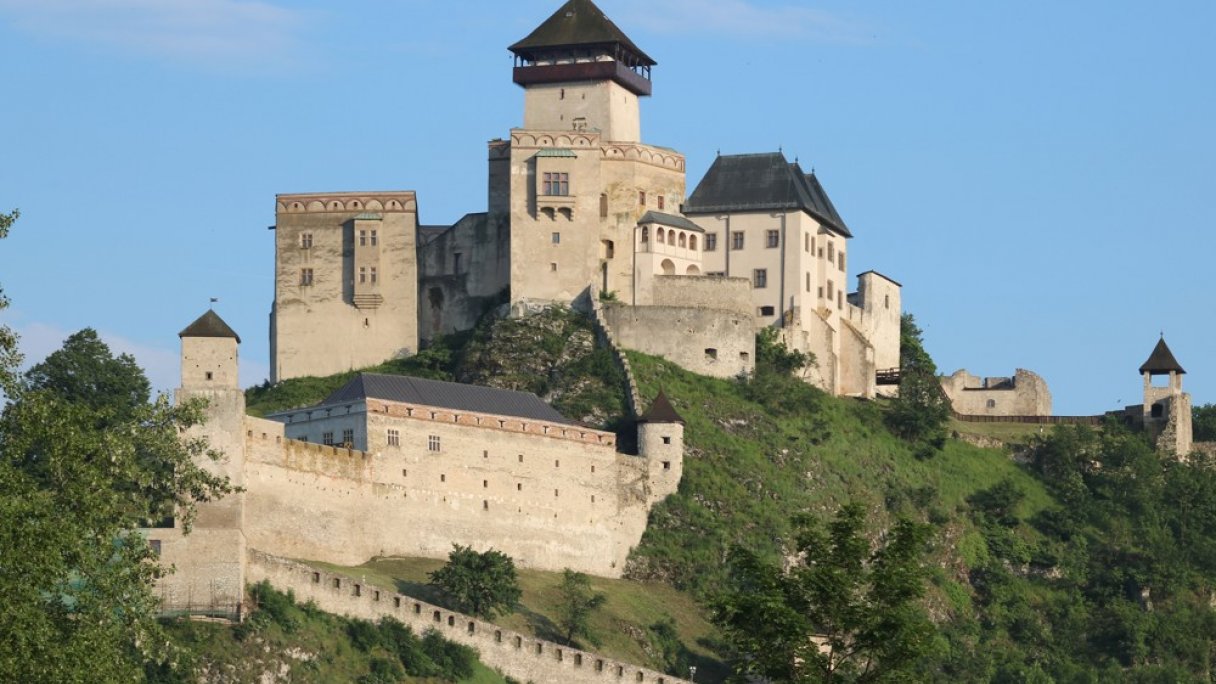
x=712 y=342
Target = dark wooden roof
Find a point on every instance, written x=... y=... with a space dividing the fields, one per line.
x=209 y=325
x=661 y=411
x=669 y=220
x=1161 y=361
x=447 y=395
x=577 y=24
x=763 y=182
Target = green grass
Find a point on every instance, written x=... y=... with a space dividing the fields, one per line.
x=1010 y=433
x=623 y=624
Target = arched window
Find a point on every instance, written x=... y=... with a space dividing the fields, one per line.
x=645 y=233
x=660 y=235
x=683 y=240
x=692 y=242
x=669 y=268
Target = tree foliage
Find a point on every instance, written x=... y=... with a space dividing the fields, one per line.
x=9 y=356
x=85 y=372
x=1203 y=423
x=576 y=606
x=920 y=412
x=846 y=612
x=77 y=478
x=482 y=584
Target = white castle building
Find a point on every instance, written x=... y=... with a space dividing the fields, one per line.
x=579 y=207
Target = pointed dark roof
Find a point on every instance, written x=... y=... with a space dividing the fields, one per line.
x=763 y=182
x=578 y=23
x=1162 y=361
x=448 y=395
x=661 y=411
x=209 y=325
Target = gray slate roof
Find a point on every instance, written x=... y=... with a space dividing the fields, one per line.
x=209 y=325
x=578 y=23
x=669 y=220
x=1162 y=360
x=446 y=395
x=763 y=182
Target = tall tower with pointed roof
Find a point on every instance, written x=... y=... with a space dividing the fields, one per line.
x=1167 y=409
x=571 y=184
x=661 y=443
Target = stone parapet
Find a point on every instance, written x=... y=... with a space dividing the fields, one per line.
x=330 y=202
x=522 y=657
x=487 y=421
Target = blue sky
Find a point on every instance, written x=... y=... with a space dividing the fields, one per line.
x=1039 y=175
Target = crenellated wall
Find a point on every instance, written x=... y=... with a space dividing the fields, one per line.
x=522 y=657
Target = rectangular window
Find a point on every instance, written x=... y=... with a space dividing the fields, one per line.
x=306 y=276
x=766 y=311
x=374 y=240
x=711 y=242
x=363 y=238
x=831 y=290
x=362 y=274
x=394 y=438
x=772 y=238
x=642 y=197
x=842 y=261
x=327 y=438
x=305 y=240
x=806 y=242
x=373 y=273
x=840 y=299
x=736 y=240
x=432 y=443
x=556 y=184
x=456 y=259
x=808 y=282
x=831 y=251
x=348 y=437
x=760 y=278
x=661 y=203
x=556 y=238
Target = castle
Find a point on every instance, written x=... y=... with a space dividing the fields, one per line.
x=579 y=207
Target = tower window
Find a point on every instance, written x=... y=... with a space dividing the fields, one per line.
x=394 y=438
x=306 y=277
x=456 y=258
x=210 y=375
x=348 y=437
x=841 y=259
x=772 y=238
x=603 y=205
x=373 y=239
x=556 y=238
x=711 y=242
x=363 y=238
x=432 y=443
x=642 y=197
x=736 y=240
x=362 y=274
x=661 y=202
x=553 y=267
x=373 y=272
x=760 y=278
x=305 y=240
x=556 y=184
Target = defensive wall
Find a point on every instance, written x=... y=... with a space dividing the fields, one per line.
x=525 y=658
x=1024 y=394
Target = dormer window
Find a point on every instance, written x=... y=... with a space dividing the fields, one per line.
x=556 y=184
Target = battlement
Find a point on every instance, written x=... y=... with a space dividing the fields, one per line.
x=487 y=421
x=397 y=201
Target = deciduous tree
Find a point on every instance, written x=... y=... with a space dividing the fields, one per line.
x=482 y=584
x=576 y=606
x=920 y=412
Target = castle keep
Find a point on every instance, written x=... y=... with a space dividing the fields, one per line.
x=578 y=206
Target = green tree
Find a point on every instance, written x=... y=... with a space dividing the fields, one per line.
x=1203 y=423
x=85 y=372
x=920 y=412
x=576 y=606
x=845 y=612
x=75 y=574
x=482 y=584
x=9 y=356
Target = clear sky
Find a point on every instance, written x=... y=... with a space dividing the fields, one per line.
x=1040 y=175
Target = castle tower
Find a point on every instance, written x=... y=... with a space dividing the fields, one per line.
x=346 y=282
x=661 y=443
x=1167 y=409
x=210 y=561
x=572 y=183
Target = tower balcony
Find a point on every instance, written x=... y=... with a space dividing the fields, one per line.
x=605 y=70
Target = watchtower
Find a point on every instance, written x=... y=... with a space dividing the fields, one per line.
x=1167 y=409
x=581 y=72
x=661 y=443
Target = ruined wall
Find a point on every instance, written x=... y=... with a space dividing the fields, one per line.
x=712 y=342
x=1025 y=394
x=522 y=657
x=551 y=496
x=462 y=272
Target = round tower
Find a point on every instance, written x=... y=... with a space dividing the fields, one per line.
x=661 y=443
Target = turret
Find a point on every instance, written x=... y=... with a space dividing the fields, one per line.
x=1167 y=409
x=661 y=443
x=581 y=72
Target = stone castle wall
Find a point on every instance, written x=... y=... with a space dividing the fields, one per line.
x=711 y=342
x=1024 y=394
x=519 y=656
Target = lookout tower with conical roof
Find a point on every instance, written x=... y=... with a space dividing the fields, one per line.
x=581 y=72
x=1167 y=409
x=661 y=443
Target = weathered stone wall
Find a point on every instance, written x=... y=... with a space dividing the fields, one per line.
x=1025 y=394
x=855 y=361
x=551 y=496
x=522 y=657
x=702 y=292
x=713 y=342
x=330 y=314
x=462 y=272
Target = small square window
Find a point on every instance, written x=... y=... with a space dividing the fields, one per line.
x=667 y=440
x=556 y=238
x=210 y=375
x=305 y=277
x=327 y=438
x=553 y=267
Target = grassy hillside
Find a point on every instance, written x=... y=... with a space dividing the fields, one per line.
x=648 y=623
